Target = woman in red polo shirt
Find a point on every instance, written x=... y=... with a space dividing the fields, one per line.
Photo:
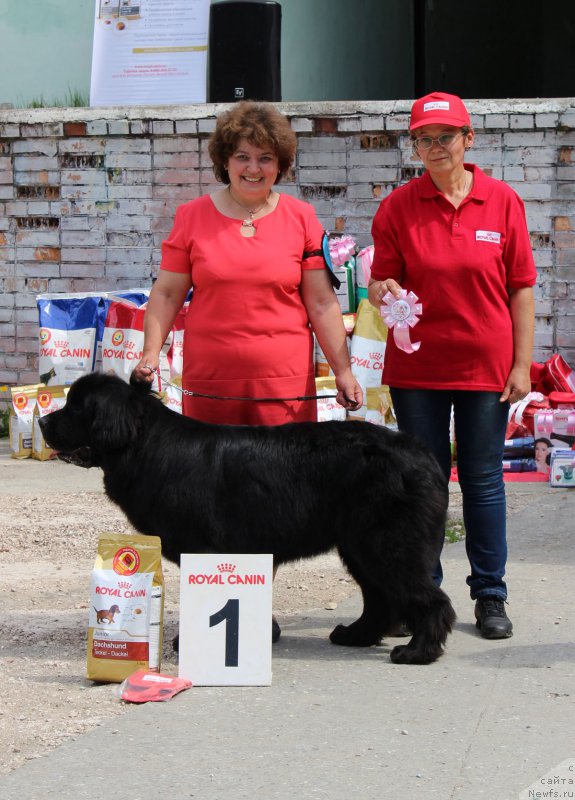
x=458 y=239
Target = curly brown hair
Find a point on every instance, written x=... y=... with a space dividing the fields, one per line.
x=262 y=125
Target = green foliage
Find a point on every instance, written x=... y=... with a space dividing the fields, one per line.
x=454 y=531
x=74 y=98
x=4 y=414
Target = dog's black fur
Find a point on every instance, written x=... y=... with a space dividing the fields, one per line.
x=294 y=490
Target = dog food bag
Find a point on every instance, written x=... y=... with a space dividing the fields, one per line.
x=173 y=389
x=322 y=368
x=327 y=407
x=133 y=297
x=123 y=342
x=49 y=398
x=380 y=407
x=68 y=332
x=126 y=607
x=368 y=345
x=367 y=349
x=137 y=296
x=21 y=420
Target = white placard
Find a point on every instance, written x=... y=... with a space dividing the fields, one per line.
x=225 y=619
x=149 y=52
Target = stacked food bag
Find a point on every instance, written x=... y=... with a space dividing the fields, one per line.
x=541 y=427
x=83 y=332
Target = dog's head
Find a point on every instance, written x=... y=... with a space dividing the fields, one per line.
x=567 y=471
x=102 y=414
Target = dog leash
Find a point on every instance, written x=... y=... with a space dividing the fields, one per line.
x=189 y=393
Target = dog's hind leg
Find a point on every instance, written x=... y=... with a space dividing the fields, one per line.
x=430 y=616
x=368 y=629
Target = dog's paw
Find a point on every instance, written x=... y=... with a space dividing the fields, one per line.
x=403 y=654
x=276 y=630
x=353 y=636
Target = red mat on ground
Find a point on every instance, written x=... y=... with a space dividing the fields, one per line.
x=515 y=477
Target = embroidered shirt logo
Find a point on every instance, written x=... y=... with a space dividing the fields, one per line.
x=437 y=105
x=488 y=236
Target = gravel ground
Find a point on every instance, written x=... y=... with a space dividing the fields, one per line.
x=48 y=541
x=47 y=548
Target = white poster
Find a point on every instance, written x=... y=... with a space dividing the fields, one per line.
x=149 y=52
x=226 y=619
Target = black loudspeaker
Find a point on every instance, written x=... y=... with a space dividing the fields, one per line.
x=244 y=51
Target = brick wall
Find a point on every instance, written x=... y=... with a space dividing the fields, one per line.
x=86 y=199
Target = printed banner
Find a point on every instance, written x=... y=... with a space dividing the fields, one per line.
x=149 y=52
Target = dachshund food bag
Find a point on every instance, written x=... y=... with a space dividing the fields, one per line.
x=126 y=607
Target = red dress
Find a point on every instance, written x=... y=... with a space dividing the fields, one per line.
x=247 y=332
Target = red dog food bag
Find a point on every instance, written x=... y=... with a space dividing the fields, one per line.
x=126 y=607
x=173 y=388
x=123 y=342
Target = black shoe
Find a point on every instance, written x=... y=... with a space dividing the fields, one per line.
x=276 y=630
x=491 y=618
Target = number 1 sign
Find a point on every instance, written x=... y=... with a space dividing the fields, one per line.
x=225 y=619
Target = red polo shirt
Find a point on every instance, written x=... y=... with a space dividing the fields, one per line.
x=460 y=263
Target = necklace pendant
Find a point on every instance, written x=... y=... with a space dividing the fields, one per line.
x=247 y=228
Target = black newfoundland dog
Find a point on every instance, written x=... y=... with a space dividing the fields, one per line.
x=293 y=490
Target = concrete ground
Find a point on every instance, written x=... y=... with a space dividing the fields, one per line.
x=488 y=720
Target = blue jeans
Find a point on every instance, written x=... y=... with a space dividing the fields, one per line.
x=480 y=424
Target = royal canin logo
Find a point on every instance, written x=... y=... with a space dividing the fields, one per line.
x=226 y=574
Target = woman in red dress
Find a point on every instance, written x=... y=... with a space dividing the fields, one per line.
x=256 y=297
x=257 y=293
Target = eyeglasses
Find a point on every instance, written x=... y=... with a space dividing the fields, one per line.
x=445 y=141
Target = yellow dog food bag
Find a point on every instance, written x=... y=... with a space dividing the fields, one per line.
x=20 y=420
x=126 y=608
x=49 y=399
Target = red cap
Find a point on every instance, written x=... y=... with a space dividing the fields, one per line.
x=439 y=108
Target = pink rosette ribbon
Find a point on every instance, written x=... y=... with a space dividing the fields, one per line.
x=400 y=315
x=365 y=260
x=550 y=421
x=341 y=250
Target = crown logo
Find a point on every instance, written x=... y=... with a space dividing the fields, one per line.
x=375 y=355
x=226 y=567
x=124 y=584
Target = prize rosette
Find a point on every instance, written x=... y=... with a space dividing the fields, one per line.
x=400 y=315
x=341 y=250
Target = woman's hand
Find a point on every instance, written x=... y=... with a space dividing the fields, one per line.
x=518 y=385
x=166 y=298
x=522 y=310
x=143 y=371
x=377 y=290
x=349 y=392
